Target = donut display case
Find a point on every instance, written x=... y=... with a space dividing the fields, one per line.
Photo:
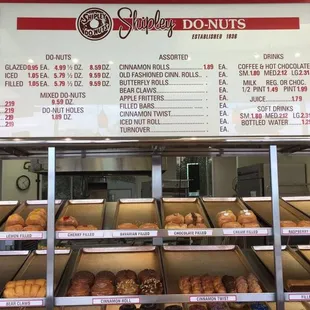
x=166 y=144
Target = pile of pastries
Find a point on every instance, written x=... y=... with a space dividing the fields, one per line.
x=35 y=221
x=71 y=223
x=294 y=224
x=150 y=226
x=125 y=282
x=216 y=284
x=25 y=289
x=245 y=219
x=190 y=220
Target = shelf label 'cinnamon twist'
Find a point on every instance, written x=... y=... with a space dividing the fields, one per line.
x=213 y=298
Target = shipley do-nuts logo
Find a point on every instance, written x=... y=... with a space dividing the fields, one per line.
x=94 y=24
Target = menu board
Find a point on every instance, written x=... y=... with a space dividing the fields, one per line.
x=74 y=70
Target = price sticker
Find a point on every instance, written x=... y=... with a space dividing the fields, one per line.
x=21 y=235
x=21 y=303
x=85 y=234
x=116 y=301
x=135 y=233
x=213 y=298
x=190 y=233
x=299 y=297
x=245 y=232
x=296 y=231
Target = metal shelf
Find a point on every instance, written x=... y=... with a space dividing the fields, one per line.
x=161 y=233
x=160 y=299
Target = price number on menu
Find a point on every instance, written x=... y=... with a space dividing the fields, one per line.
x=9 y=103
x=60 y=83
x=99 y=83
x=296 y=98
x=33 y=67
x=208 y=66
x=60 y=75
x=99 y=67
x=60 y=67
x=56 y=117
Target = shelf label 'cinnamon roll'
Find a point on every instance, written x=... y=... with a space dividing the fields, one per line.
x=116 y=301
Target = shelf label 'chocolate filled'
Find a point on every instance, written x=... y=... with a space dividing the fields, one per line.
x=190 y=233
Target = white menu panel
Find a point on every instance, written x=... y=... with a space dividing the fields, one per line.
x=154 y=70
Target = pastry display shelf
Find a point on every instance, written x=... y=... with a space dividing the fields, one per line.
x=162 y=233
x=159 y=299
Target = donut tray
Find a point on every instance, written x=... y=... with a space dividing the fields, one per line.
x=294 y=267
x=12 y=260
x=23 y=210
x=114 y=259
x=215 y=205
x=263 y=209
x=6 y=209
x=182 y=206
x=35 y=266
x=87 y=212
x=304 y=251
x=199 y=260
x=136 y=211
x=302 y=204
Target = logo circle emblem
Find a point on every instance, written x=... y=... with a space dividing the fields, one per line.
x=94 y=24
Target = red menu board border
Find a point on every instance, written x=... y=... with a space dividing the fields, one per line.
x=157 y=1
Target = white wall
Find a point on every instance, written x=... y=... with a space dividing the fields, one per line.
x=224 y=170
x=11 y=170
